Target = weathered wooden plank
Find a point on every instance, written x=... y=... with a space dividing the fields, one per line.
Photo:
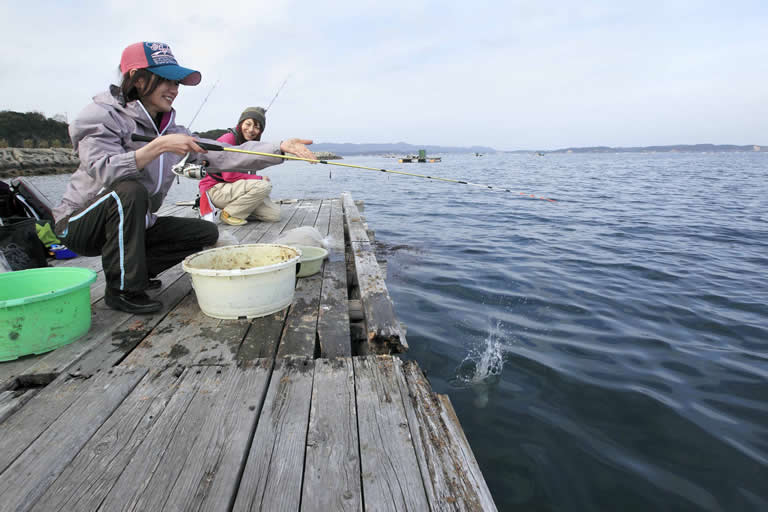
x=262 y=338
x=267 y=232
x=12 y=401
x=145 y=481
x=305 y=215
x=332 y=466
x=390 y=470
x=300 y=331
x=272 y=476
x=323 y=221
x=336 y=231
x=333 y=317
x=87 y=480
x=188 y=336
x=353 y=220
x=451 y=475
x=254 y=231
x=209 y=478
x=383 y=328
x=24 y=481
x=20 y=429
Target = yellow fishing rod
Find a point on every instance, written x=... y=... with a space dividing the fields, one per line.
x=216 y=147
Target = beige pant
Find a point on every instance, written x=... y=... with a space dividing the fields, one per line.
x=244 y=198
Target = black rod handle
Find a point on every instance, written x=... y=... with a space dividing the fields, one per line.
x=205 y=145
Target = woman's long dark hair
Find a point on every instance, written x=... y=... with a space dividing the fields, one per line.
x=238 y=131
x=130 y=89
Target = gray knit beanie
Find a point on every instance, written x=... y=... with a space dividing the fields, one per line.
x=255 y=113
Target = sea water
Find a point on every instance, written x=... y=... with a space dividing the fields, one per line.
x=605 y=352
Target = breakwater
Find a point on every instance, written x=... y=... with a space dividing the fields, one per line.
x=39 y=161
x=28 y=162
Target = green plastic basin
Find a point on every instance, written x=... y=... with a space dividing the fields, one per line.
x=43 y=308
x=311 y=260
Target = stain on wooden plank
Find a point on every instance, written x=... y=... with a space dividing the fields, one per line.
x=188 y=336
x=300 y=331
x=262 y=338
x=272 y=476
x=332 y=466
x=390 y=470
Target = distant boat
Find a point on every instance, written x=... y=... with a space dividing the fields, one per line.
x=539 y=153
x=478 y=154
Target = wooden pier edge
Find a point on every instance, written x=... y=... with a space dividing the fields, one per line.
x=382 y=329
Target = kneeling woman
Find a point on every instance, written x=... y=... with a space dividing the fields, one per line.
x=242 y=197
x=110 y=204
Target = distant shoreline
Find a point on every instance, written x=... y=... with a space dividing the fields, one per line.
x=678 y=148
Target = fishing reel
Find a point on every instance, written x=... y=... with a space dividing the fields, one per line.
x=190 y=170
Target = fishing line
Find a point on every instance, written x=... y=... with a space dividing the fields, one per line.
x=189 y=126
x=215 y=147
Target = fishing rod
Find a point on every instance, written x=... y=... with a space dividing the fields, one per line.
x=215 y=147
x=278 y=92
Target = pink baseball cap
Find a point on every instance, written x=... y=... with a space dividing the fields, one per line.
x=157 y=58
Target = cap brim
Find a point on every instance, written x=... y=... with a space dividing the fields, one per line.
x=185 y=76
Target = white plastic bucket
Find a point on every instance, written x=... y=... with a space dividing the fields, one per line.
x=243 y=281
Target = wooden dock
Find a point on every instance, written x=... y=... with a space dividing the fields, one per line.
x=305 y=409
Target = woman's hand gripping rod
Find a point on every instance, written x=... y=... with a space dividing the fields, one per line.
x=184 y=169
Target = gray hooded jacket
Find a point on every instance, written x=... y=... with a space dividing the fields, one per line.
x=101 y=136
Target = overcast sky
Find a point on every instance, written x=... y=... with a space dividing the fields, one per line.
x=507 y=74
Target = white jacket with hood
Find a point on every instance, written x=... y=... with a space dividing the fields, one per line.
x=101 y=136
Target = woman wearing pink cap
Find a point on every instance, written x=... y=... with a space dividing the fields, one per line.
x=110 y=204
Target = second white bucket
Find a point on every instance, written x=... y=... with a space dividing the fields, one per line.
x=243 y=281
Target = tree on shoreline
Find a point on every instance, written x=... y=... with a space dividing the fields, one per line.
x=32 y=130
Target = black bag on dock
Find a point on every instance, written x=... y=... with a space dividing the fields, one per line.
x=33 y=202
x=20 y=244
x=9 y=206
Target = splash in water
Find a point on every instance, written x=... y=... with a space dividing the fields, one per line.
x=482 y=366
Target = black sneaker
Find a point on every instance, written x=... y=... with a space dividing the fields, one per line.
x=154 y=284
x=131 y=302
